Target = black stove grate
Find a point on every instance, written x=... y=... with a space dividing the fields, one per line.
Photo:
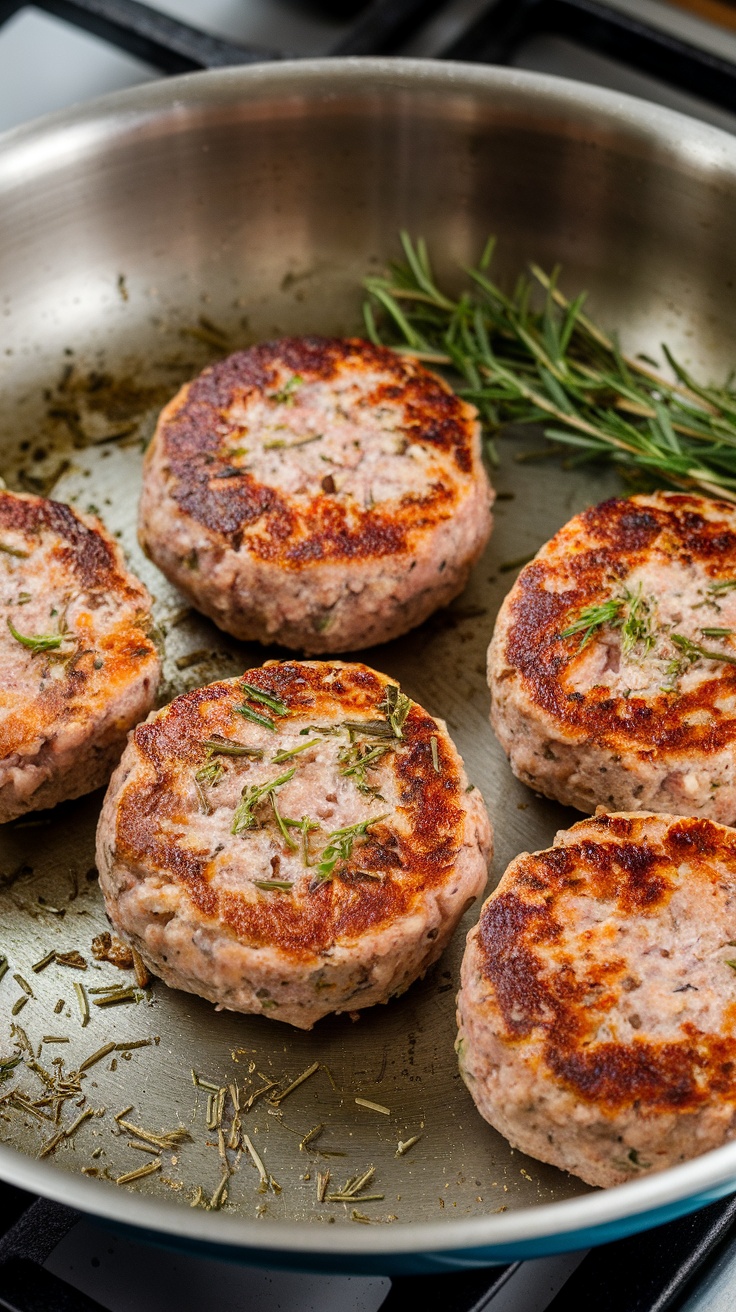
x=645 y=1273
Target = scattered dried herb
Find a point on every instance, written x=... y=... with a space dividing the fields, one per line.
x=373 y=1106
x=278 y=1098
x=406 y=1145
x=73 y=959
x=140 y=1172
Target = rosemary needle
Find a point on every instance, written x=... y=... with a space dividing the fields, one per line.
x=523 y=362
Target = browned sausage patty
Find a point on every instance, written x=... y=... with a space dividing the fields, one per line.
x=613 y=662
x=323 y=493
x=77 y=666
x=597 y=1009
x=287 y=843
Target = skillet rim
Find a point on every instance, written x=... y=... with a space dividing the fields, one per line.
x=34 y=147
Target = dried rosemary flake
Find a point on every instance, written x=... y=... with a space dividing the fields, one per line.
x=731 y=963
x=323 y=1179
x=435 y=753
x=140 y=1172
x=406 y=1145
x=311 y=1136
x=96 y=1056
x=55 y=1038
x=220 y=1195
x=38 y=966
x=273 y=885
x=24 y=985
x=257 y=1161
x=257 y=1093
x=355 y=1215
x=9 y=1064
x=197 y=1080
x=142 y=977
x=220 y=1105
x=122 y=995
x=348 y=1198
x=73 y=959
x=133 y=1043
x=19 y=1004
x=143 y=1147
x=235 y=1095
x=4 y=967
x=59 y=1007
x=83 y=1116
x=52 y=1143
x=82 y=1001
x=165 y=1142
x=119 y=1115
x=373 y=1106
x=198 y=1196
x=278 y=1098
x=14 y=551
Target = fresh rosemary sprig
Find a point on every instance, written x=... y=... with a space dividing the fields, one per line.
x=244 y=817
x=340 y=846
x=554 y=365
x=631 y=613
x=356 y=759
x=593 y=618
x=218 y=746
x=397 y=706
x=40 y=642
x=273 y=703
x=693 y=650
x=636 y=629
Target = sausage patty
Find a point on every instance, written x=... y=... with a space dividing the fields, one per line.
x=297 y=841
x=613 y=663
x=322 y=493
x=598 y=997
x=77 y=666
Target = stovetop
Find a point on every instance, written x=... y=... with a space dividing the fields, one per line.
x=60 y=52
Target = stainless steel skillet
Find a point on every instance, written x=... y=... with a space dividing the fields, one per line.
x=140 y=237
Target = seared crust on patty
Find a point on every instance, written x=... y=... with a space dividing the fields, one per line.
x=597 y=1009
x=613 y=666
x=80 y=669
x=322 y=493
x=345 y=880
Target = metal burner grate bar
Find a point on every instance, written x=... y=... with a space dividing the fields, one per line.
x=155 y=38
x=500 y=31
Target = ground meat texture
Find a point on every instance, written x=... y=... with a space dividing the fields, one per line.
x=613 y=663
x=322 y=870
x=598 y=993
x=325 y=494
x=77 y=666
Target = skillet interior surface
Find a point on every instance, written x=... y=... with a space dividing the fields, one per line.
x=147 y=235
